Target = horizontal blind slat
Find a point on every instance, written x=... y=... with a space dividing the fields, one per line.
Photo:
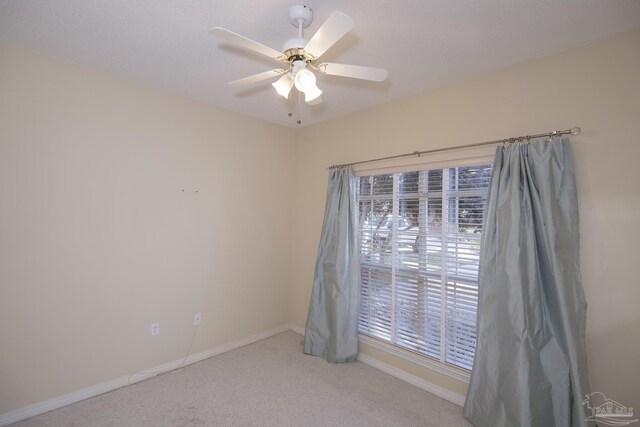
x=423 y=240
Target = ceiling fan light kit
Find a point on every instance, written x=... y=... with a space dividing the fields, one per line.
x=300 y=56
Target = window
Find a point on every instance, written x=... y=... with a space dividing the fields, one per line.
x=419 y=235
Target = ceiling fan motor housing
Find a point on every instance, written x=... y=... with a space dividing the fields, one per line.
x=296 y=43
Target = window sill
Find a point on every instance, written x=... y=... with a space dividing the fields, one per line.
x=410 y=356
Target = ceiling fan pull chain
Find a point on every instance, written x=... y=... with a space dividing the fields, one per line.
x=298 y=105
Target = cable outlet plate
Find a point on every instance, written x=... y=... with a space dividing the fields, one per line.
x=155 y=329
x=197 y=319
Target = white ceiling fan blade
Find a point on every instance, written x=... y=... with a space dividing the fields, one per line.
x=239 y=40
x=337 y=25
x=354 y=71
x=257 y=77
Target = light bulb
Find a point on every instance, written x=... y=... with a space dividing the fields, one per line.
x=283 y=85
x=304 y=80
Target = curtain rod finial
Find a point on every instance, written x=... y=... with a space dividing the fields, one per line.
x=575 y=131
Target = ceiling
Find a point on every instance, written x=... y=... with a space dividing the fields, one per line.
x=423 y=43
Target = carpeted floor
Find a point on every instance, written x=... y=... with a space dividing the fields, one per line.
x=268 y=383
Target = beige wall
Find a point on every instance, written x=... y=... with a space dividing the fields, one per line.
x=596 y=87
x=98 y=238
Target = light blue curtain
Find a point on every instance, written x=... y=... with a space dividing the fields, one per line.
x=530 y=363
x=332 y=322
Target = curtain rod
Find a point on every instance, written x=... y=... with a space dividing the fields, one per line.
x=573 y=131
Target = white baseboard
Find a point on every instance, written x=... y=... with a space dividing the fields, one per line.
x=439 y=391
x=95 y=390
x=86 y=393
x=297 y=329
x=425 y=385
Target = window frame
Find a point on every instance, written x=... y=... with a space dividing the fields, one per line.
x=450 y=370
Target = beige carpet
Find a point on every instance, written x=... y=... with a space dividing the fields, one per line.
x=268 y=383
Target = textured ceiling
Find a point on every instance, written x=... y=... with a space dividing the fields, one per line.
x=424 y=44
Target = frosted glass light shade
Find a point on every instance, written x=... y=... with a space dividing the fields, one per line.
x=283 y=85
x=315 y=101
x=312 y=93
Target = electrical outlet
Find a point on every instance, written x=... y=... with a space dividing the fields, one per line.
x=197 y=319
x=155 y=329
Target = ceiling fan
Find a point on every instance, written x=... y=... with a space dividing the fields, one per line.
x=300 y=56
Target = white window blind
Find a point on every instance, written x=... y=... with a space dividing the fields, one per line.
x=419 y=235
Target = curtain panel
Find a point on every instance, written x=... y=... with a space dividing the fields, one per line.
x=530 y=363
x=332 y=322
